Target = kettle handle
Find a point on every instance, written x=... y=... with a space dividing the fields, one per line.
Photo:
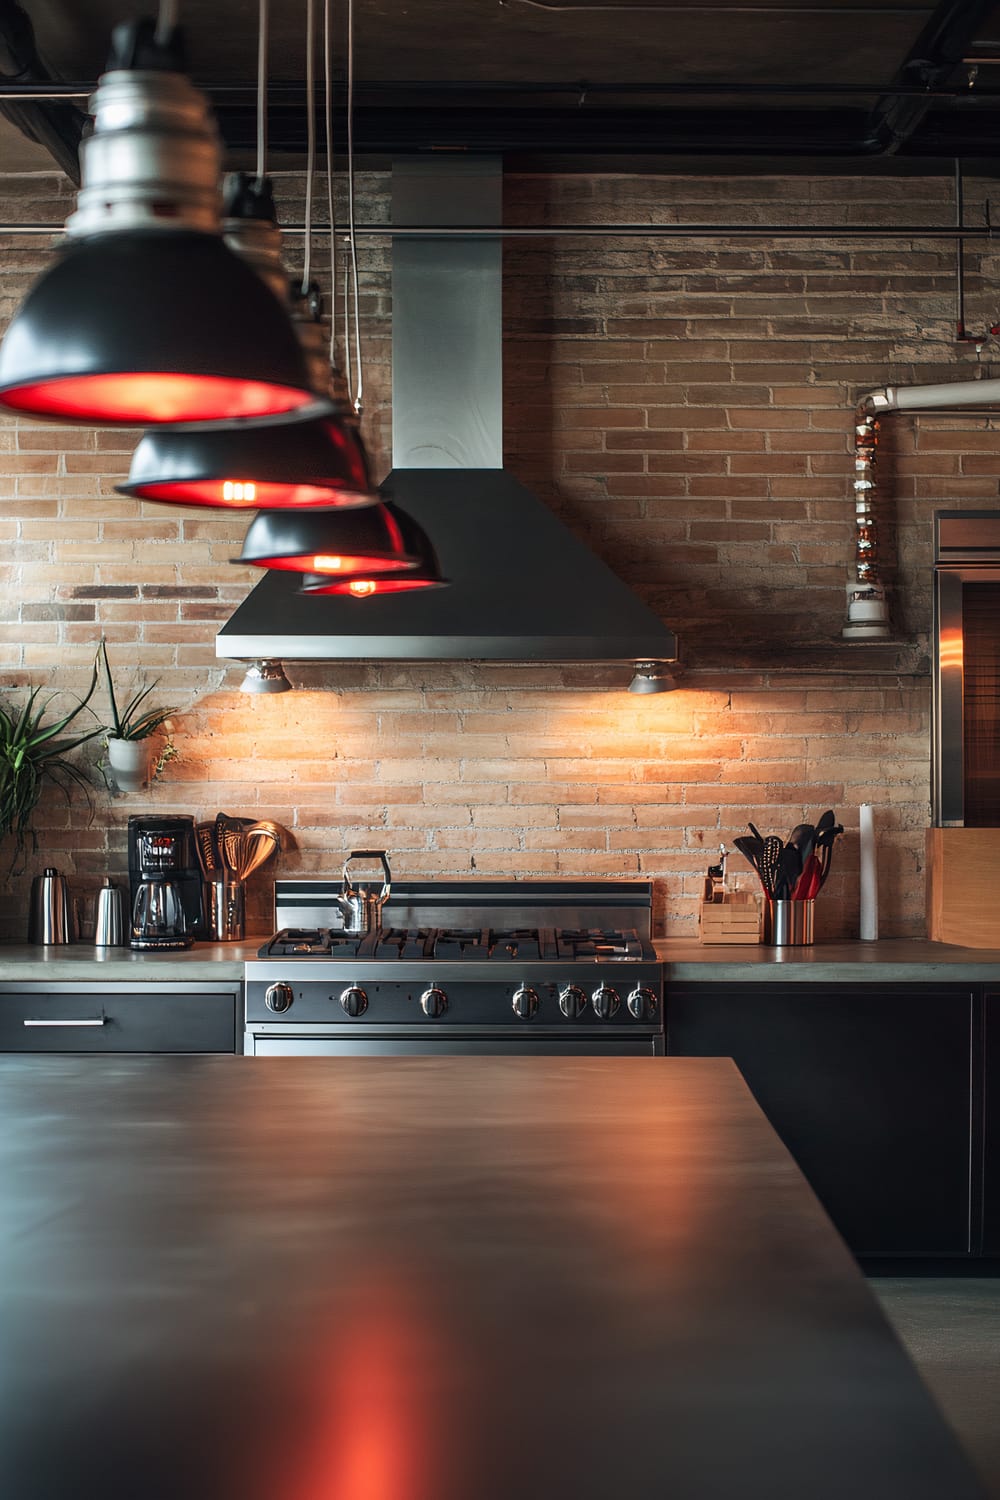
x=380 y=855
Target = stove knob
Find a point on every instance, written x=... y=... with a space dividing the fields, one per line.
x=572 y=1001
x=354 y=1001
x=642 y=1003
x=278 y=997
x=433 y=1002
x=606 y=1002
x=525 y=1003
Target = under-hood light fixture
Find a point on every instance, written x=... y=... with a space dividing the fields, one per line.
x=341 y=543
x=147 y=317
x=652 y=677
x=265 y=677
x=416 y=542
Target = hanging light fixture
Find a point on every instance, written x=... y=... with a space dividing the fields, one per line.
x=652 y=677
x=147 y=317
x=345 y=543
x=416 y=542
x=265 y=677
x=319 y=463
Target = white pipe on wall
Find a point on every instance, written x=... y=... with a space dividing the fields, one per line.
x=931 y=397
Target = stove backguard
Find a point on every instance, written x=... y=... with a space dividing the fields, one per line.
x=479 y=903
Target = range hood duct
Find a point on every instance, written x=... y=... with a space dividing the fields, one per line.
x=523 y=588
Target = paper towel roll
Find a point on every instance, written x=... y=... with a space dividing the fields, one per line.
x=868 y=881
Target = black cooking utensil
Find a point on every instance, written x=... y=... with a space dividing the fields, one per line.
x=803 y=836
x=769 y=860
x=824 y=849
x=751 y=851
x=756 y=832
x=826 y=821
x=789 y=870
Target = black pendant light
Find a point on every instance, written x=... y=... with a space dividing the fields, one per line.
x=365 y=585
x=319 y=463
x=147 y=317
x=342 y=543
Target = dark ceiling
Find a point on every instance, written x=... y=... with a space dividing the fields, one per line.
x=892 y=83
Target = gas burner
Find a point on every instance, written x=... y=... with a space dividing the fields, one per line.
x=405 y=942
x=591 y=942
x=298 y=942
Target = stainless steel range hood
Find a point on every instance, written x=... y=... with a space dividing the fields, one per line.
x=523 y=588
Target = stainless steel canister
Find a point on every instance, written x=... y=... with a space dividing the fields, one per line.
x=227 y=910
x=48 y=913
x=109 y=922
x=789 y=922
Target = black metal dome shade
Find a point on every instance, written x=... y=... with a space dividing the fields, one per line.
x=426 y=575
x=320 y=463
x=339 y=542
x=139 y=327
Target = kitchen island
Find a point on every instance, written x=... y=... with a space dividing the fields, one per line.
x=466 y=1279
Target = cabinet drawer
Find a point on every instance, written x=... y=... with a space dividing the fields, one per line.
x=118 y=1018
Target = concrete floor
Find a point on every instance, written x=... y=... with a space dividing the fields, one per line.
x=950 y=1327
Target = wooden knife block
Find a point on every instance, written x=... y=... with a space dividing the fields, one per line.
x=963 y=874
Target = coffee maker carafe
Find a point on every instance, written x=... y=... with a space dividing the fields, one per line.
x=165 y=882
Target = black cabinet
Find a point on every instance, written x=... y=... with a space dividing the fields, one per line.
x=118 y=1017
x=991 y=1122
x=870 y=1088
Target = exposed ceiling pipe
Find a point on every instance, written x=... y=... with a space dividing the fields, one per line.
x=621 y=231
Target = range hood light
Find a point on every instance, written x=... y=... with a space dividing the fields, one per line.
x=652 y=677
x=147 y=316
x=265 y=677
x=347 y=543
x=416 y=542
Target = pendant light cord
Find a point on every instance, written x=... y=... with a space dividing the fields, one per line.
x=331 y=207
x=262 y=43
x=166 y=22
x=310 y=139
x=357 y=399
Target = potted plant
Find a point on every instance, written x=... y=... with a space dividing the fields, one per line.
x=129 y=734
x=34 y=751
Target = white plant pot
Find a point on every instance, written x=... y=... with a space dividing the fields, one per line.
x=129 y=761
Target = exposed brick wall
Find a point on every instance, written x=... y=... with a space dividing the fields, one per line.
x=686 y=407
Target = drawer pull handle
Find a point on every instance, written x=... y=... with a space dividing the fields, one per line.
x=96 y=1021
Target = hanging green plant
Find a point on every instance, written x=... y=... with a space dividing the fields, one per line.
x=34 y=751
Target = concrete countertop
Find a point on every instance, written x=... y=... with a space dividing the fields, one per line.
x=885 y=961
x=901 y=959
x=435 y=1277
x=208 y=961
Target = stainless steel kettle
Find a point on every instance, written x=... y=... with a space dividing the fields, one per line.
x=362 y=904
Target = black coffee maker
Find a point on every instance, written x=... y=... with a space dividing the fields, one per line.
x=165 y=881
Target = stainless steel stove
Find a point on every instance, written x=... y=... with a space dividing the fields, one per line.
x=516 y=967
